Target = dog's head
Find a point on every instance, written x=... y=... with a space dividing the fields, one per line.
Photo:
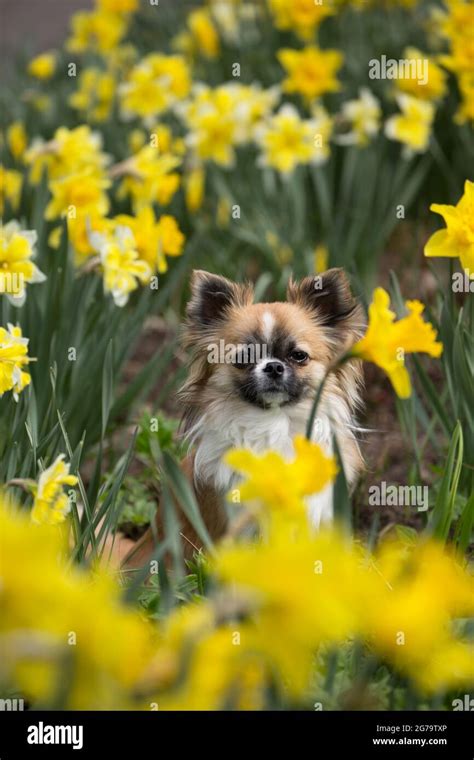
x=266 y=354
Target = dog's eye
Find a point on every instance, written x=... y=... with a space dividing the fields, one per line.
x=300 y=357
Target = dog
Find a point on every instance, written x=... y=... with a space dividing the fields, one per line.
x=253 y=375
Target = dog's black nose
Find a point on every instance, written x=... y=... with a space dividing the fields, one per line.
x=275 y=368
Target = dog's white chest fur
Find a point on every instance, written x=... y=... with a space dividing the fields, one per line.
x=237 y=425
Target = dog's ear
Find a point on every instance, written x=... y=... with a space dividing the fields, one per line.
x=328 y=295
x=212 y=296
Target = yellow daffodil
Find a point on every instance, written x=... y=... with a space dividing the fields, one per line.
x=52 y=611
x=204 y=37
x=288 y=140
x=239 y=673
x=154 y=239
x=421 y=591
x=321 y=600
x=279 y=484
x=17 y=140
x=465 y=112
x=455 y=25
x=98 y=30
x=10 y=188
x=136 y=140
x=434 y=88
x=70 y=151
x=194 y=188
x=455 y=18
x=457 y=240
x=17 y=249
x=43 y=66
x=387 y=341
x=13 y=358
x=95 y=94
x=212 y=123
x=78 y=194
x=149 y=177
x=253 y=105
x=363 y=117
x=227 y=17
x=153 y=85
x=122 y=268
x=80 y=228
x=300 y=16
x=413 y=126
x=51 y=504
x=311 y=71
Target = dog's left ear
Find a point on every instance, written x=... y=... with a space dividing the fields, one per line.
x=328 y=295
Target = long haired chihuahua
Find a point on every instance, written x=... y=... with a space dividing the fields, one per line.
x=254 y=371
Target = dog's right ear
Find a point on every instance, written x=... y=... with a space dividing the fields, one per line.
x=212 y=296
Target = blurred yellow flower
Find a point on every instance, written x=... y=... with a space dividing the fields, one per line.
x=465 y=111
x=193 y=635
x=435 y=86
x=421 y=591
x=154 y=239
x=97 y=30
x=70 y=151
x=10 y=188
x=204 y=37
x=281 y=485
x=457 y=240
x=363 y=117
x=287 y=140
x=311 y=71
x=13 y=358
x=387 y=341
x=253 y=105
x=77 y=194
x=300 y=16
x=455 y=24
x=153 y=85
x=95 y=94
x=17 y=139
x=212 y=123
x=413 y=126
x=123 y=270
x=194 y=184
x=43 y=66
x=17 y=249
x=170 y=240
x=53 y=611
x=136 y=140
x=149 y=177
x=303 y=591
x=51 y=504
